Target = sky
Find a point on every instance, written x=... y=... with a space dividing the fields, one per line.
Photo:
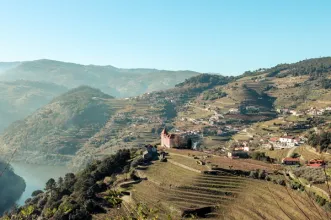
x=210 y=36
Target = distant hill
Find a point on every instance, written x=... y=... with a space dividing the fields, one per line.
x=59 y=127
x=7 y=65
x=68 y=127
x=109 y=79
x=20 y=98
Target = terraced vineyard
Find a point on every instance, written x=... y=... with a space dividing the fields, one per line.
x=171 y=190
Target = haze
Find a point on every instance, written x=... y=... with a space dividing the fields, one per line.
x=227 y=37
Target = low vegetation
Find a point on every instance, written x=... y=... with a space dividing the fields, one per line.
x=76 y=196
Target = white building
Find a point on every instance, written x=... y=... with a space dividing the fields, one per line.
x=233 y=111
x=286 y=139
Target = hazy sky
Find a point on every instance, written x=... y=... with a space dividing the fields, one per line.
x=227 y=37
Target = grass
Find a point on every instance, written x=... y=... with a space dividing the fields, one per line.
x=277 y=154
x=309 y=153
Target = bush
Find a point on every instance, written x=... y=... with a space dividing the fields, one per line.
x=315 y=175
x=295 y=155
x=137 y=161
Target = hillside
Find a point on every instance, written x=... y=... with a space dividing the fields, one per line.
x=124 y=186
x=111 y=80
x=58 y=129
x=20 y=98
x=139 y=120
x=7 y=65
x=11 y=187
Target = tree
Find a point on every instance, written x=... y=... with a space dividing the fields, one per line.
x=69 y=181
x=60 y=182
x=50 y=185
x=36 y=192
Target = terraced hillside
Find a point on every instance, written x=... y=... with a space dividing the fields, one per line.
x=175 y=189
x=172 y=189
x=139 y=120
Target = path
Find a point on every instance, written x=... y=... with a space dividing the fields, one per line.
x=290 y=152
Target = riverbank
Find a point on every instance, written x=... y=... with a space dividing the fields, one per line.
x=36 y=176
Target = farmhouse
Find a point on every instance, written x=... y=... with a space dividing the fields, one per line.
x=316 y=163
x=286 y=139
x=291 y=161
x=233 y=111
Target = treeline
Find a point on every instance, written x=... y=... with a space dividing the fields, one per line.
x=206 y=81
x=77 y=196
x=11 y=187
x=315 y=68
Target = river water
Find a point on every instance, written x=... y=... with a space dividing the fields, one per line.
x=36 y=176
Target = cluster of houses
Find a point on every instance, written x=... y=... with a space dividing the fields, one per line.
x=285 y=142
x=313 y=111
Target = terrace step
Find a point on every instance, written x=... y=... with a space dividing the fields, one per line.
x=186 y=205
x=220 y=181
x=217 y=186
x=197 y=203
x=199 y=198
x=201 y=194
x=215 y=190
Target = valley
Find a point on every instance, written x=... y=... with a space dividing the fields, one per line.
x=228 y=147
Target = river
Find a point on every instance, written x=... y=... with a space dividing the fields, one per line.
x=36 y=176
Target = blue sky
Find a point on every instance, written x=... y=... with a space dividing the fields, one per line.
x=227 y=37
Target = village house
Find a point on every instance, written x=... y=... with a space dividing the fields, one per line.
x=291 y=161
x=233 y=111
x=314 y=111
x=285 y=142
x=289 y=141
x=316 y=163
